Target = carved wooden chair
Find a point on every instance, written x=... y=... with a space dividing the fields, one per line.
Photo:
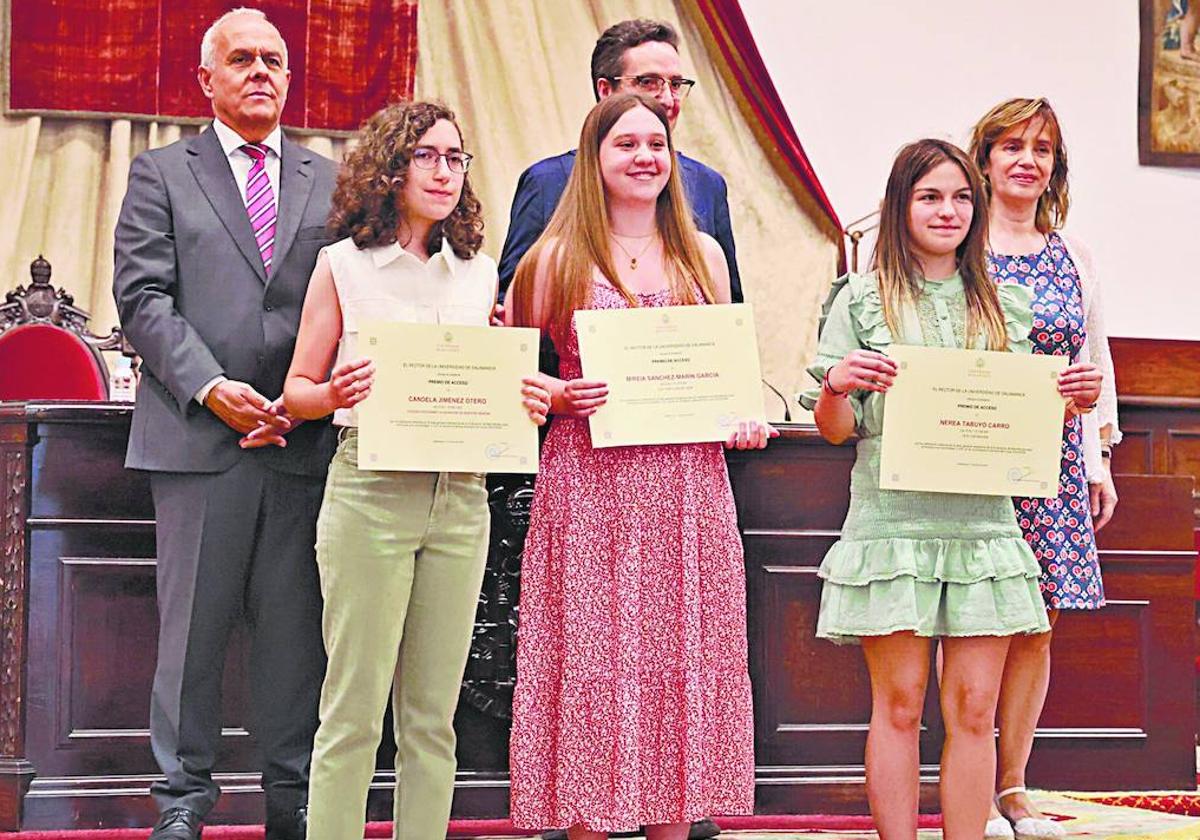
x=46 y=349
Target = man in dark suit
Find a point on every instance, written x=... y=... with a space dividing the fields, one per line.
x=631 y=56
x=215 y=243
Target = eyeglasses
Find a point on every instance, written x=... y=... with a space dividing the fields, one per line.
x=426 y=158
x=653 y=85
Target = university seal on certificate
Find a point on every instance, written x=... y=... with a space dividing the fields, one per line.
x=447 y=398
x=972 y=421
x=675 y=374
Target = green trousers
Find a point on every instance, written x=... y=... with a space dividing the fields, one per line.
x=401 y=557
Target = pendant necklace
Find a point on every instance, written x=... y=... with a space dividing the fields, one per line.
x=633 y=258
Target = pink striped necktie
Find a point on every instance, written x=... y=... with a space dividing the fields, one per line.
x=260 y=202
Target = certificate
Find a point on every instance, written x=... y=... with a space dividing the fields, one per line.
x=972 y=421
x=675 y=374
x=447 y=398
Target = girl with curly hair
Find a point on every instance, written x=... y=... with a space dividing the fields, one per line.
x=401 y=554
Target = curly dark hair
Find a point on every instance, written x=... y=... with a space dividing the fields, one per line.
x=365 y=202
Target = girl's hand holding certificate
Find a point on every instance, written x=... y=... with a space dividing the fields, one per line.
x=581 y=398
x=751 y=434
x=350 y=383
x=535 y=393
x=863 y=369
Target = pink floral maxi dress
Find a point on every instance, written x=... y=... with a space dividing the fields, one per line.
x=633 y=703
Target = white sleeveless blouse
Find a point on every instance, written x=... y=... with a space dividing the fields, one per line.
x=387 y=283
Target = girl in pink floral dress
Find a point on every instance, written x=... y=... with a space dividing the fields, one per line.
x=632 y=703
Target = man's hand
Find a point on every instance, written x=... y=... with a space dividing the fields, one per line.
x=239 y=406
x=498 y=315
x=271 y=434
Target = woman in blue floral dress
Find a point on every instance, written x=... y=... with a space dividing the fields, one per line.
x=1018 y=146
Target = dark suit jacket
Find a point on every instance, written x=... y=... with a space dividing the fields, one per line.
x=195 y=302
x=542 y=185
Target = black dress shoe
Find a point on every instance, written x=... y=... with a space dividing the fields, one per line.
x=554 y=834
x=177 y=824
x=293 y=826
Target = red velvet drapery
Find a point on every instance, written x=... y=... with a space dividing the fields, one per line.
x=728 y=31
x=138 y=57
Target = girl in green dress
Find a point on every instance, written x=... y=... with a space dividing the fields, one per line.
x=913 y=566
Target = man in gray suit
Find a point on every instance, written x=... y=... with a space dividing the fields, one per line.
x=215 y=243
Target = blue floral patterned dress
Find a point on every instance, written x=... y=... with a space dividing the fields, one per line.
x=1059 y=530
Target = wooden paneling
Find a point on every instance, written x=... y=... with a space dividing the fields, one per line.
x=78 y=473
x=1152 y=367
x=1135 y=455
x=1161 y=438
x=1123 y=686
x=1183 y=451
x=106 y=622
x=1106 y=647
x=84 y=624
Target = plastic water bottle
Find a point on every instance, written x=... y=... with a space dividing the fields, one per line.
x=122 y=386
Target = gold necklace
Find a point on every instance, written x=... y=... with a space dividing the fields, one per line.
x=633 y=258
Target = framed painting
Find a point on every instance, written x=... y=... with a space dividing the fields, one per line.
x=1169 y=83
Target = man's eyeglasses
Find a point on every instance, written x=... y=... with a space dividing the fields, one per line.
x=426 y=158
x=652 y=85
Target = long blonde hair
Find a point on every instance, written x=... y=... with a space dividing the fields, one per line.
x=1053 y=204
x=580 y=234
x=897 y=266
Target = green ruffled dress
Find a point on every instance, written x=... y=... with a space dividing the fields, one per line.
x=938 y=564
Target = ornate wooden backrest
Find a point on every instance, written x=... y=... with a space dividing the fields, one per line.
x=42 y=303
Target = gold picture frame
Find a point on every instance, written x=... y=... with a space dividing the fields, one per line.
x=1168 y=86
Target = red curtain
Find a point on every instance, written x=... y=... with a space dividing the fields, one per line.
x=727 y=27
x=138 y=57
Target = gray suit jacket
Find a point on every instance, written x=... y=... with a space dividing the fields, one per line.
x=195 y=302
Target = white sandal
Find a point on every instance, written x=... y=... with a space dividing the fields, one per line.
x=998 y=828
x=1031 y=828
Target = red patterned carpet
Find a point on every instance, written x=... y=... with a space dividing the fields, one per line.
x=1183 y=804
x=1096 y=816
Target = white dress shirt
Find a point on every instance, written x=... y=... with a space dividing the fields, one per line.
x=240 y=161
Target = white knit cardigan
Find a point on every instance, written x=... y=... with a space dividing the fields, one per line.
x=1094 y=350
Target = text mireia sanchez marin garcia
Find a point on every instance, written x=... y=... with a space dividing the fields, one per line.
x=662 y=377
